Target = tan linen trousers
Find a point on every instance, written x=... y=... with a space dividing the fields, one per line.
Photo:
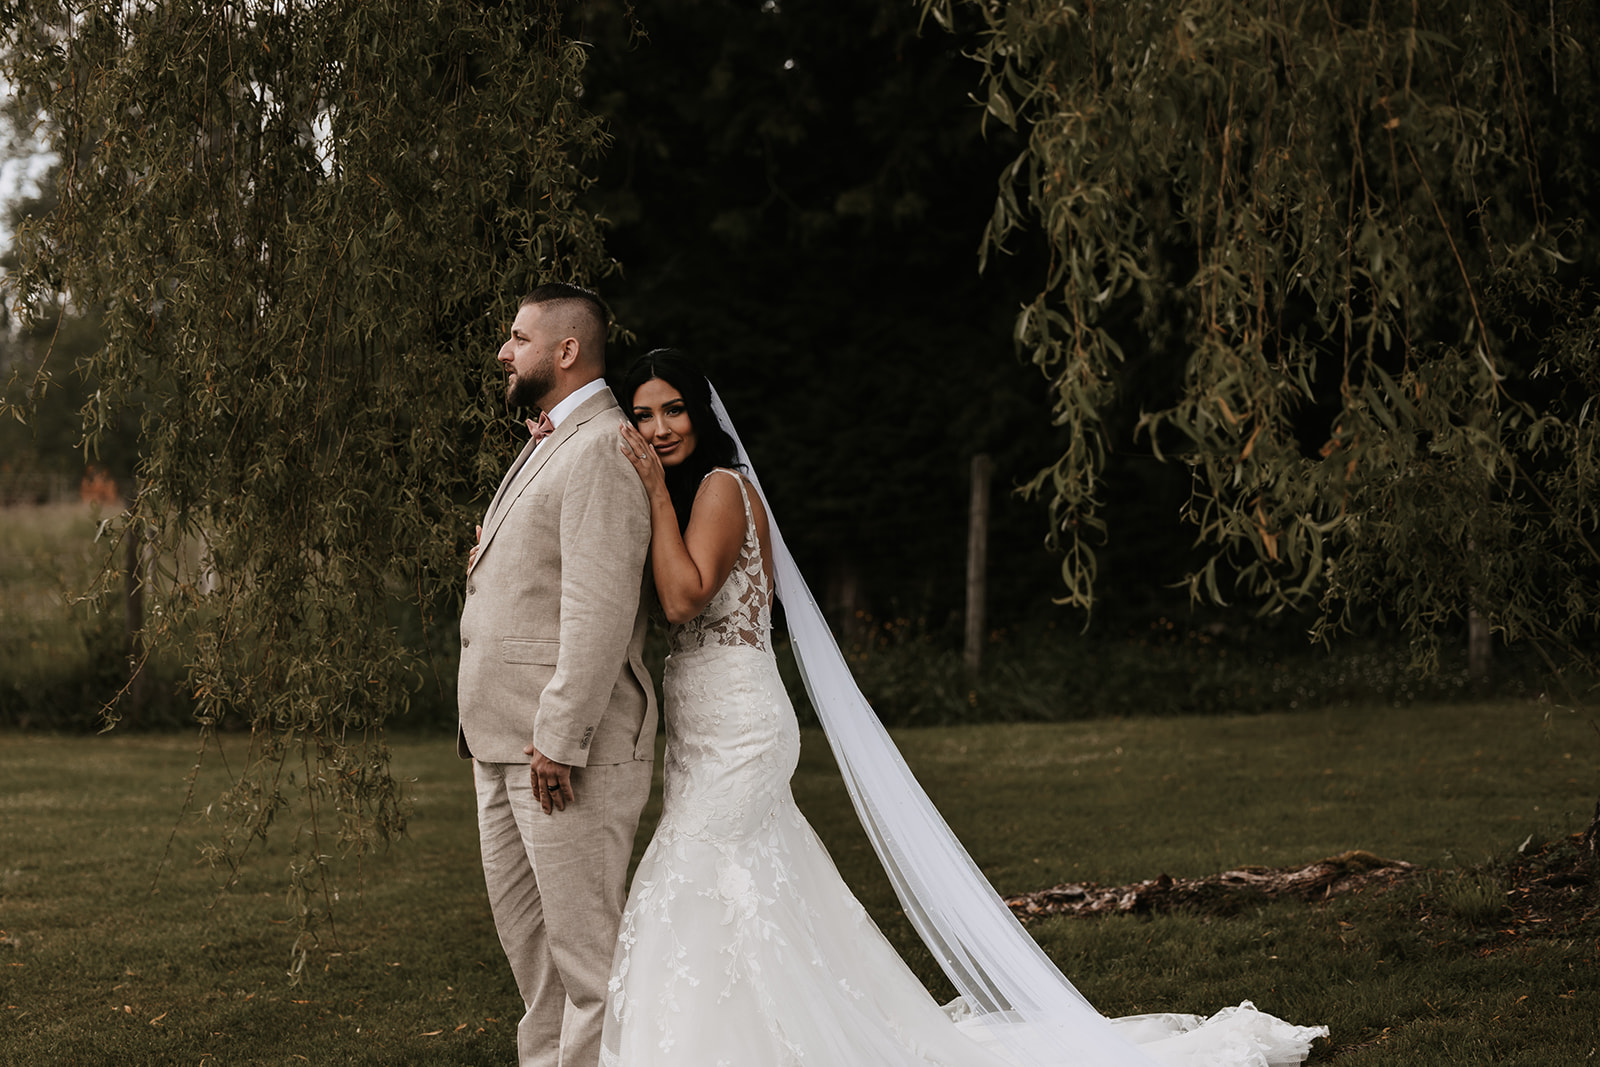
x=557 y=886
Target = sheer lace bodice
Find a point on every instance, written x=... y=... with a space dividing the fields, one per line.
x=741 y=611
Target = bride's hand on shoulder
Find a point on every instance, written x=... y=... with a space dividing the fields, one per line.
x=644 y=459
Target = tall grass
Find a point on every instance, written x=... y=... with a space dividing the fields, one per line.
x=64 y=643
x=1050 y=672
x=62 y=657
x=62 y=654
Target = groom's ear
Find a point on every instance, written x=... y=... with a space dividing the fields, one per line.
x=575 y=354
x=570 y=354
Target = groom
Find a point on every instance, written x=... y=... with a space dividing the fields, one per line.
x=558 y=713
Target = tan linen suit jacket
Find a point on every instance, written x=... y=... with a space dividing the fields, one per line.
x=552 y=633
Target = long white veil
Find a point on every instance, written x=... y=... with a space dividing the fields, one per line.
x=1000 y=971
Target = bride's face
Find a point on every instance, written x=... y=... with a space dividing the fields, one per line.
x=663 y=421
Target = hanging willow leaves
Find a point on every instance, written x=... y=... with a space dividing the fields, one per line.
x=305 y=224
x=1346 y=238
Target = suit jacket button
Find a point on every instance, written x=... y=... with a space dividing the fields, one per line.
x=465 y=641
x=471 y=589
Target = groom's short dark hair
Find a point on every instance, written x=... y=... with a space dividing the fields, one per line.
x=585 y=301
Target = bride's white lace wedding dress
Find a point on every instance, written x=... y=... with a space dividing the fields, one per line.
x=740 y=944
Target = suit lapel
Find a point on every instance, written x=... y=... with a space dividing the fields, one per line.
x=505 y=482
x=531 y=461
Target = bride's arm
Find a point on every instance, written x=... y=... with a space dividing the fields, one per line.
x=689 y=566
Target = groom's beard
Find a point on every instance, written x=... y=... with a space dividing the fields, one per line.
x=523 y=392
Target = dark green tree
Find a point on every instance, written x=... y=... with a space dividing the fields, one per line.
x=795 y=191
x=47 y=448
x=303 y=226
x=1336 y=253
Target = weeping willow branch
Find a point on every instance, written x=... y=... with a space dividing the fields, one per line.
x=302 y=225
x=1330 y=237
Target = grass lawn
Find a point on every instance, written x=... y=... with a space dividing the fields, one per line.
x=94 y=968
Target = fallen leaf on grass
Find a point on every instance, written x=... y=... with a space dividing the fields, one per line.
x=157 y=1020
x=431 y=1033
x=463 y=1026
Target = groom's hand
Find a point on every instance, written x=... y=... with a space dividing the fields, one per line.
x=552 y=781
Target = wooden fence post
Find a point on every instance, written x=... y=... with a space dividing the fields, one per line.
x=977 y=561
x=1480 y=647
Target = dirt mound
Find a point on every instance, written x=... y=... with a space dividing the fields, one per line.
x=1552 y=888
x=1220 y=894
x=1545 y=888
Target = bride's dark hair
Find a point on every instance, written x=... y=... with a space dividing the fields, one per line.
x=713 y=447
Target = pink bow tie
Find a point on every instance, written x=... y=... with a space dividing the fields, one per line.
x=542 y=428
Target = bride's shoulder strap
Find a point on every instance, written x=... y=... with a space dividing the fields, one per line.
x=744 y=489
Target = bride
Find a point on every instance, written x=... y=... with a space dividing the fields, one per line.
x=740 y=944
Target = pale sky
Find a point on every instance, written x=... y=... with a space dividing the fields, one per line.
x=21 y=165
